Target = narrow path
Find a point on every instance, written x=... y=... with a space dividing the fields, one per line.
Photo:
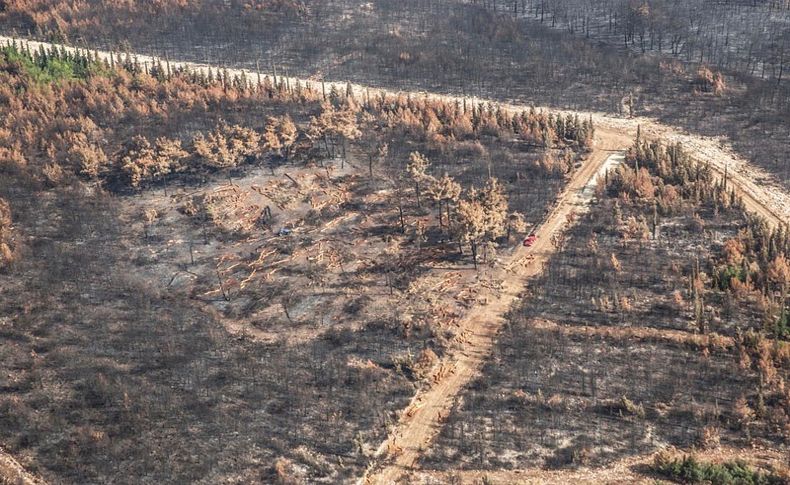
x=421 y=421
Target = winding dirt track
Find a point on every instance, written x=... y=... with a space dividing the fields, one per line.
x=421 y=421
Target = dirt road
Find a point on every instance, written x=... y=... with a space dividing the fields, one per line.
x=421 y=420
x=761 y=192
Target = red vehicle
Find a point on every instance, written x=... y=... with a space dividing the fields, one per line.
x=530 y=240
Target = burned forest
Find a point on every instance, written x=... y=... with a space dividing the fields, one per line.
x=425 y=241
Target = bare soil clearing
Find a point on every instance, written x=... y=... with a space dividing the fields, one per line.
x=250 y=282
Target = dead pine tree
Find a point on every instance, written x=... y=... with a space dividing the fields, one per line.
x=225 y=294
x=376 y=150
x=149 y=217
x=399 y=199
x=444 y=191
x=482 y=216
x=416 y=168
x=286 y=302
x=191 y=252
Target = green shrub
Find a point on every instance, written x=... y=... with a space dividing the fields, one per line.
x=727 y=274
x=688 y=469
x=48 y=67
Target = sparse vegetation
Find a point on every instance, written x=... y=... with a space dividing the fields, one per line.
x=688 y=469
